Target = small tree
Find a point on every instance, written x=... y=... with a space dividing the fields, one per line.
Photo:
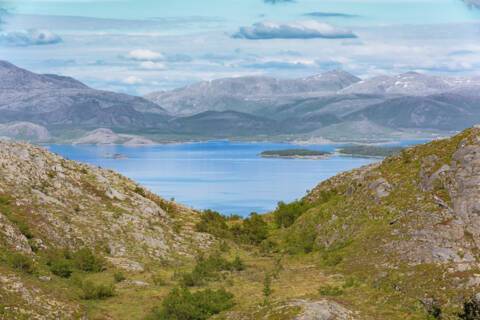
x=267 y=289
x=238 y=264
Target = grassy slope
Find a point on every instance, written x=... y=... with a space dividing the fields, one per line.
x=359 y=238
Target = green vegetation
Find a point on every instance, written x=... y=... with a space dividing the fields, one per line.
x=62 y=263
x=207 y=269
x=93 y=291
x=267 y=288
x=252 y=230
x=119 y=277
x=61 y=267
x=7 y=208
x=294 y=153
x=21 y=263
x=181 y=304
x=214 y=223
x=330 y=291
x=286 y=214
x=370 y=151
x=85 y=260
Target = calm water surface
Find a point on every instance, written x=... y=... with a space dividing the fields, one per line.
x=224 y=176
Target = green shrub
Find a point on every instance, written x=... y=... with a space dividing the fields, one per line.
x=331 y=258
x=140 y=191
x=330 y=291
x=351 y=282
x=237 y=264
x=267 y=288
x=61 y=267
x=22 y=226
x=158 y=280
x=268 y=246
x=302 y=239
x=253 y=230
x=92 y=291
x=224 y=247
x=21 y=263
x=14 y=217
x=191 y=279
x=214 y=223
x=181 y=304
x=118 y=277
x=208 y=268
x=286 y=214
x=85 y=260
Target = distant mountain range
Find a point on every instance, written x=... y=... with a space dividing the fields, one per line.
x=55 y=101
x=334 y=105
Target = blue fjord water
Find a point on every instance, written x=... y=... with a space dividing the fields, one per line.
x=224 y=176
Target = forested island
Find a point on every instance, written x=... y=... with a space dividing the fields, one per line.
x=295 y=154
x=370 y=151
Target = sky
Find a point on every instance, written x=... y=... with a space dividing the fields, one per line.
x=141 y=46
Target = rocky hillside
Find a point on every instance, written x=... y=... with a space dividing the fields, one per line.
x=49 y=204
x=402 y=234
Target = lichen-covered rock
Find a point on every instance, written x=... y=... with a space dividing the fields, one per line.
x=322 y=310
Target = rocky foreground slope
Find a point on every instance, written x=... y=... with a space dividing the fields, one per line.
x=49 y=204
x=404 y=233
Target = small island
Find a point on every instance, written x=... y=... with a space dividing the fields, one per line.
x=295 y=154
x=370 y=151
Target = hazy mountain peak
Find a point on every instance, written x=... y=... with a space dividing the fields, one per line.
x=13 y=77
x=239 y=92
x=409 y=83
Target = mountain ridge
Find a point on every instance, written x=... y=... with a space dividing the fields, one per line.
x=409 y=105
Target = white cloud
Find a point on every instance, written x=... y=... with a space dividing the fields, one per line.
x=151 y=65
x=145 y=55
x=133 y=80
x=293 y=30
x=30 y=37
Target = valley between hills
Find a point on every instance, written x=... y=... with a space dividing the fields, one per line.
x=393 y=240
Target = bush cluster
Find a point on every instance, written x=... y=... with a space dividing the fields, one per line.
x=252 y=230
x=65 y=262
x=214 y=223
x=21 y=263
x=119 y=277
x=92 y=291
x=286 y=214
x=181 y=304
x=330 y=291
x=208 y=268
